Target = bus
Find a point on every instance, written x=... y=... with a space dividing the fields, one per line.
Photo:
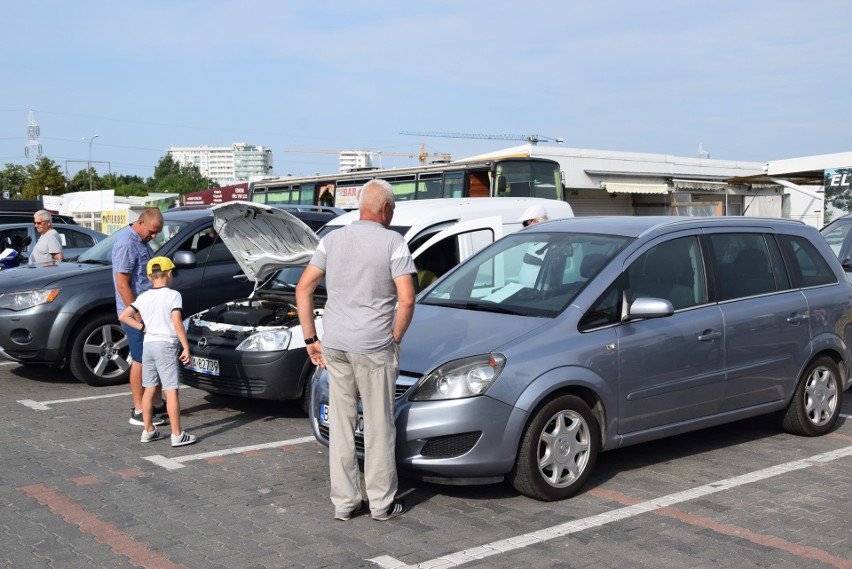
x=517 y=176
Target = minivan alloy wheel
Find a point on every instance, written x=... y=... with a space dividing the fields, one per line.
x=558 y=450
x=816 y=402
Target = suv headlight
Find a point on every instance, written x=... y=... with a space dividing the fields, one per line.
x=266 y=341
x=28 y=298
x=466 y=377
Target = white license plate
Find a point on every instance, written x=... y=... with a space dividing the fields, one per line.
x=325 y=414
x=204 y=365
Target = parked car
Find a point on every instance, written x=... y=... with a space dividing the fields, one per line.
x=75 y=238
x=254 y=347
x=838 y=234
x=633 y=329
x=65 y=314
x=14 y=216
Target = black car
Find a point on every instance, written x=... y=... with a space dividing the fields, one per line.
x=65 y=314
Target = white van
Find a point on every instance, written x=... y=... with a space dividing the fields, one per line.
x=441 y=233
x=254 y=347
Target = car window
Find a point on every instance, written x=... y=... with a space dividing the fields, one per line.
x=807 y=265
x=673 y=271
x=75 y=239
x=835 y=235
x=13 y=237
x=743 y=265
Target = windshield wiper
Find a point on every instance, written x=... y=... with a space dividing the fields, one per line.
x=93 y=261
x=483 y=305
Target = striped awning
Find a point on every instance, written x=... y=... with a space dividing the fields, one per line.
x=620 y=188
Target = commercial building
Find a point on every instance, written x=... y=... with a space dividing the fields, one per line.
x=228 y=165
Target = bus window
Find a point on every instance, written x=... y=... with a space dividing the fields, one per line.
x=258 y=195
x=307 y=194
x=454 y=185
x=403 y=187
x=479 y=184
x=429 y=187
x=282 y=196
x=546 y=180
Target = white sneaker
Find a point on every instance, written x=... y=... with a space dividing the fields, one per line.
x=183 y=439
x=148 y=436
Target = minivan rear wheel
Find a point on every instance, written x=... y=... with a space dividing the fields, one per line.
x=815 y=406
x=100 y=353
x=558 y=450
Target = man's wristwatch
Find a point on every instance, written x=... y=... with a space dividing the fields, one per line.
x=311 y=340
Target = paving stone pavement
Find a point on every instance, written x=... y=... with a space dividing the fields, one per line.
x=76 y=490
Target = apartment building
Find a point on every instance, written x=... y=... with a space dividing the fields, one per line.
x=226 y=164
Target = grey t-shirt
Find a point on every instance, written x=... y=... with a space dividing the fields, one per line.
x=45 y=247
x=361 y=261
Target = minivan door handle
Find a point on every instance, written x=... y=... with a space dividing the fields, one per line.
x=796 y=318
x=710 y=335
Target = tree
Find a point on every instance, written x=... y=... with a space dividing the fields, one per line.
x=13 y=179
x=80 y=181
x=172 y=177
x=43 y=177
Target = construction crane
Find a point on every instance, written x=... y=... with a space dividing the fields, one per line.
x=422 y=156
x=531 y=138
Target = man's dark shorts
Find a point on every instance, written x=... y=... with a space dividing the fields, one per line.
x=134 y=339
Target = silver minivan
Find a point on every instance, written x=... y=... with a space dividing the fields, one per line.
x=579 y=336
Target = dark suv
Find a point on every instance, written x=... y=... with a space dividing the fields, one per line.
x=65 y=314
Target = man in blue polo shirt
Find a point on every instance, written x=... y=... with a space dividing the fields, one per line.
x=130 y=255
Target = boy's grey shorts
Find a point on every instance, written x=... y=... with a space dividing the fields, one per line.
x=160 y=365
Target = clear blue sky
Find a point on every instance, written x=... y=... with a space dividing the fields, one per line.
x=750 y=80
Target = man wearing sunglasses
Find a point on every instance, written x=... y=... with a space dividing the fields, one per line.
x=48 y=248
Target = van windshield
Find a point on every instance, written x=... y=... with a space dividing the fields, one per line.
x=527 y=273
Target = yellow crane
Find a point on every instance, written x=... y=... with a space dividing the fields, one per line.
x=423 y=156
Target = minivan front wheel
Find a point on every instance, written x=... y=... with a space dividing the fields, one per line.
x=100 y=353
x=558 y=450
x=815 y=406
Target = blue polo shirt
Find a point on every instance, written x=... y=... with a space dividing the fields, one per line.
x=131 y=255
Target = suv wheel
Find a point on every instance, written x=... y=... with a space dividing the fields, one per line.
x=815 y=406
x=100 y=354
x=558 y=450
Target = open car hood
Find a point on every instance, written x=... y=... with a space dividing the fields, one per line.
x=263 y=239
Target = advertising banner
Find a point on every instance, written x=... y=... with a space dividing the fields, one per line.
x=214 y=196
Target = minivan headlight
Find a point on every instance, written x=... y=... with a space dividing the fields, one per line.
x=266 y=341
x=457 y=379
x=27 y=298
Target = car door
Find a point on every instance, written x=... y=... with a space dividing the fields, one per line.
x=671 y=368
x=216 y=277
x=449 y=247
x=767 y=333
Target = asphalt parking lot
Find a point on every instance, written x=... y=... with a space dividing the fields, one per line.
x=77 y=489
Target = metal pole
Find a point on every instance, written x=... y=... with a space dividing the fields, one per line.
x=91 y=140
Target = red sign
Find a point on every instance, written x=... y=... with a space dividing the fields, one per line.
x=217 y=195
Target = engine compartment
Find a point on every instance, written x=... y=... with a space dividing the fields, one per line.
x=253 y=313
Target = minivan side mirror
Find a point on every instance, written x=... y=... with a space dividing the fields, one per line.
x=648 y=308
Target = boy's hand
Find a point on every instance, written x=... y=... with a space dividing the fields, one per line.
x=184 y=356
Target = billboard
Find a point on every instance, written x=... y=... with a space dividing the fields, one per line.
x=217 y=195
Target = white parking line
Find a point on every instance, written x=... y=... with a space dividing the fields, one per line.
x=45 y=405
x=518 y=542
x=177 y=463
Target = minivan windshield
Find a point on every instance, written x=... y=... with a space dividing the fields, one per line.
x=527 y=273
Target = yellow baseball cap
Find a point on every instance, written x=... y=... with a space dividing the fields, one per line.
x=160 y=264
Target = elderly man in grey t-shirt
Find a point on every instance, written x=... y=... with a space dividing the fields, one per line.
x=368 y=272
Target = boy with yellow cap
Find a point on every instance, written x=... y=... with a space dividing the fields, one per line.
x=162 y=324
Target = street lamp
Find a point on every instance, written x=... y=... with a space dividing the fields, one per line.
x=90 y=141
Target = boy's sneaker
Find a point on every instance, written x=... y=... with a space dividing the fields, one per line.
x=397 y=508
x=148 y=436
x=136 y=419
x=183 y=439
x=346 y=516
